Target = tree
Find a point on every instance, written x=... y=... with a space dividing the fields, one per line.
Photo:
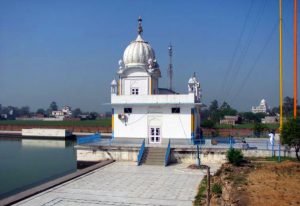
x=258 y=128
x=290 y=134
x=288 y=106
x=93 y=115
x=251 y=117
x=214 y=106
x=24 y=111
x=41 y=111
x=207 y=124
x=225 y=105
x=53 y=106
x=76 y=112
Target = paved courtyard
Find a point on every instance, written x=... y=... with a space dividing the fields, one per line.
x=124 y=183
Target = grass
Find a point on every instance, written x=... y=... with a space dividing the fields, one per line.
x=245 y=126
x=105 y=122
x=217 y=189
x=272 y=159
x=282 y=159
x=201 y=194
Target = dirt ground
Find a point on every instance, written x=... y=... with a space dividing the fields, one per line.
x=257 y=183
x=272 y=183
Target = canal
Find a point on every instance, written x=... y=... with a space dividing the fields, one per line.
x=25 y=163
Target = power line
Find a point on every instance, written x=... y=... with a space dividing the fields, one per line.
x=228 y=69
x=246 y=48
x=254 y=63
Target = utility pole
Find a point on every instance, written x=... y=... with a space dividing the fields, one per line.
x=170 y=68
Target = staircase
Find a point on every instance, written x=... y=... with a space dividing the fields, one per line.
x=154 y=156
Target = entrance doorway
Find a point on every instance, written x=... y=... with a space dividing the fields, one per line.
x=154 y=135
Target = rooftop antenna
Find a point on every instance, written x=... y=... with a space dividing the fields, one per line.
x=170 y=68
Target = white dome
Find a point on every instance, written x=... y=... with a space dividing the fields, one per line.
x=138 y=52
x=191 y=80
x=113 y=82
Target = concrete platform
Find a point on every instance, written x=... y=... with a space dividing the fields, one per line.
x=123 y=183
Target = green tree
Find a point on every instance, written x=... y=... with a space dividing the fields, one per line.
x=251 y=117
x=258 y=128
x=40 y=111
x=290 y=134
x=226 y=109
x=76 y=112
x=24 y=111
x=52 y=107
x=288 y=106
x=208 y=124
x=214 y=106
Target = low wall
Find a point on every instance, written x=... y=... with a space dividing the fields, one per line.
x=91 y=129
x=187 y=156
x=178 y=155
x=103 y=153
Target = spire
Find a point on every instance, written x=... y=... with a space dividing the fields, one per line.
x=170 y=69
x=140 y=28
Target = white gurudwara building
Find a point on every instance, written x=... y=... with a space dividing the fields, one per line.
x=261 y=108
x=141 y=109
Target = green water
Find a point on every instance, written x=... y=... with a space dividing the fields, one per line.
x=27 y=163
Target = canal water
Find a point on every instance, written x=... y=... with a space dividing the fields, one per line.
x=25 y=163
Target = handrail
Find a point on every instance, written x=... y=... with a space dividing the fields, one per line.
x=89 y=139
x=168 y=151
x=141 y=152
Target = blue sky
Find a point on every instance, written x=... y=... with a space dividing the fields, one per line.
x=68 y=51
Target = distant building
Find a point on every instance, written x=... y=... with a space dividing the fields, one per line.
x=261 y=108
x=65 y=112
x=231 y=120
x=269 y=120
x=3 y=116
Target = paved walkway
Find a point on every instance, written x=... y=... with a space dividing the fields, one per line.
x=124 y=183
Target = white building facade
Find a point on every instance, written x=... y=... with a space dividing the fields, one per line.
x=261 y=108
x=140 y=109
x=64 y=112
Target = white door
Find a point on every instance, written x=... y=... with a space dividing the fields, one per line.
x=154 y=135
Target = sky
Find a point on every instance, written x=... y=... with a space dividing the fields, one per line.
x=68 y=51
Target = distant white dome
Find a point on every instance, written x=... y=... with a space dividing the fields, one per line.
x=113 y=82
x=263 y=102
x=138 y=52
x=191 y=80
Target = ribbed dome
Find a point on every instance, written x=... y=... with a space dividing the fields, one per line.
x=138 y=52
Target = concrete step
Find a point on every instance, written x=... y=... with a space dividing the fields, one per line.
x=154 y=156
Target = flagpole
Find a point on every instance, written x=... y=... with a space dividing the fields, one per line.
x=295 y=59
x=280 y=64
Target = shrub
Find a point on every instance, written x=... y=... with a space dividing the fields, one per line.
x=208 y=124
x=235 y=156
x=290 y=134
x=217 y=189
x=258 y=128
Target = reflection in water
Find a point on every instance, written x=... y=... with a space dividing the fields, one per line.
x=27 y=163
x=43 y=143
